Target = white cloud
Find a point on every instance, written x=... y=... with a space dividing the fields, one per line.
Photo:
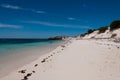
x=20 y=8
x=40 y=12
x=56 y=25
x=9 y=26
x=71 y=18
x=10 y=6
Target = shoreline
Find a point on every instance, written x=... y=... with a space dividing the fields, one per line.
x=24 y=57
x=77 y=59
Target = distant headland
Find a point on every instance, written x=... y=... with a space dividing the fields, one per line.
x=58 y=38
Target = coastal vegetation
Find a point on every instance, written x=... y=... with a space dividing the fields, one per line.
x=115 y=25
x=90 y=31
x=102 y=29
x=108 y=31
x=58 y=38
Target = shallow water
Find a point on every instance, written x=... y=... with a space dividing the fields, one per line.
x=15 y=54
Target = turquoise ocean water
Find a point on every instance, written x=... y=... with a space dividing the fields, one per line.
x=8 y=46
x=15 y=53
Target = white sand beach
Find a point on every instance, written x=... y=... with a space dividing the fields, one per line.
x=59 y=39
x=77 y=60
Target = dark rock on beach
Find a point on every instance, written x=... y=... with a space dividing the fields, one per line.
x=22 y=71
x=29 y=74
x=35 y=65
x=33 y=71
x=43 y=60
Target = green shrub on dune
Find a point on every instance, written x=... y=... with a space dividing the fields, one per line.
x=115 y=25
x=90 y=31
x=102 y=29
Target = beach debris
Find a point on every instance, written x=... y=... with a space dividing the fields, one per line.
x=118 y=47
x=43 y=60
x=48 y=56
x=26 y=77
x=35 y=65
x=29 y=74
x=33 y=71
x=63 y=46
x=22 y=71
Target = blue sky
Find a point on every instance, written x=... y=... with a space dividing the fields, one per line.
x=46 y=18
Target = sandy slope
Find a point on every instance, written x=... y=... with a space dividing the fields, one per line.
x=79 y=60
x=106 y=34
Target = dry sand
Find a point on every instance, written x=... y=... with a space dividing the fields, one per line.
x=77 y=60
